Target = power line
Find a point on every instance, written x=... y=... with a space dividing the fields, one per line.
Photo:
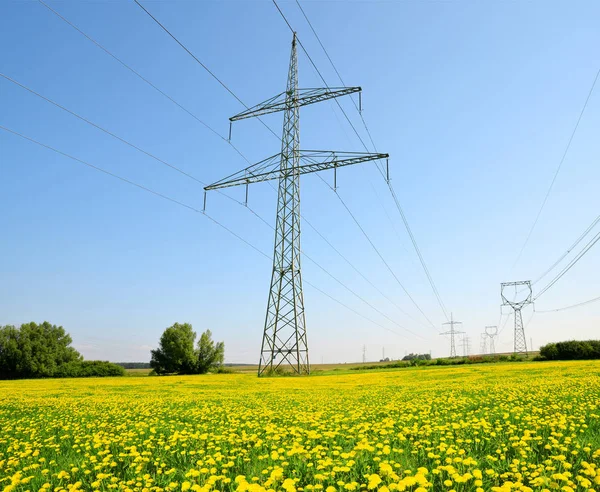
x=137 y=74
x=354 y=267
x=181 y=204
x=91 y=123
x=558 y=169
x=505 y=323
x=573 y=246
x=379 y=254
x=579 y=304
x=120 y=139
x=361 y=298
x=571 y=264
x=393 y=193
x=201 y=64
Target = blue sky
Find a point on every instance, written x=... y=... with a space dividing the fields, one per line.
x=474 y=101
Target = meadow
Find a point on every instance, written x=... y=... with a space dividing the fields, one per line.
x=500 y=427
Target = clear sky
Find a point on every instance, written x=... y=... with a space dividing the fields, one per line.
x=474 y=101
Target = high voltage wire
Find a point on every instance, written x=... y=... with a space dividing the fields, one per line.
x=184 y=205
x=201 y=64
x=238 y=99
x=505 y=323
x=393 y=193
x=571 y=264
x=579 y=304
x=137 y=74
x=359 y=297
x=354 y=268
x=176 y=103
x=574 y=245
x=537 y=217
x=120 y=139
x=72 y=113
x=379 y=254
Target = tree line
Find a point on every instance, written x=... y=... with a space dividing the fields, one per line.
x=44 y=351
x=571 y=350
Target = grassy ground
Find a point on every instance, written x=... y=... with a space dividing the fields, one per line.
x=316 y=369
x=520 y=426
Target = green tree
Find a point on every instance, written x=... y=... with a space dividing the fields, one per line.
x=33 y=351
x=9 y=351
x=44 y=350
x=209 y=355
x=175 y=353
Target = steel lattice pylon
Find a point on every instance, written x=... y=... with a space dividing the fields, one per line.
x=284 y=338
x=520 y=343
x=452 y=332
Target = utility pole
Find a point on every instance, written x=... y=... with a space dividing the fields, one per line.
x=284 y=337
x=452 y=332
x=491 y=332
x=520 y=342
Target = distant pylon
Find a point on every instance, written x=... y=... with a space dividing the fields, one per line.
x=483 y=344
x=364 y=354
x=452 y=332
x=491 y=332
x=466 y=346
x=520 y=345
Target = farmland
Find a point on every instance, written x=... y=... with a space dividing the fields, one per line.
x=523 y=426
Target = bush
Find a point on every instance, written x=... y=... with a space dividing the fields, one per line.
x=89 y=369
x=571 y=350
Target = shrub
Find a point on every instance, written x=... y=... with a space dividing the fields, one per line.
x=88 y=369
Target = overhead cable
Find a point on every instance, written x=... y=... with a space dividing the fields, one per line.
x=572 y=306
x=562 y=160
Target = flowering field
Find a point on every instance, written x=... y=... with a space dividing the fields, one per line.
x=521 y=426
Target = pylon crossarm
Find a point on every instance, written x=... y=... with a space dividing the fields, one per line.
x=310 y=161
x=304 y=98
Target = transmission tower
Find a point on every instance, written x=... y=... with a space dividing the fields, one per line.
x=364 y=354
x=284 y=337
x=466 y=346
x=483 y=344
x=491 y=332
x=520 y=346
x=452 y=332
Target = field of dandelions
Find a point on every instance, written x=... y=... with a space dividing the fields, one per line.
x=495 y=427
